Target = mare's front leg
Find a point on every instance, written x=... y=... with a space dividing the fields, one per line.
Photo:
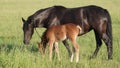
x=67 y=47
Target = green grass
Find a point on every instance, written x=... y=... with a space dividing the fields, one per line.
x=14 y=54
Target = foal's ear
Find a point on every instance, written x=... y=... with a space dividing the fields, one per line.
x=23 y=20
x=38 y=43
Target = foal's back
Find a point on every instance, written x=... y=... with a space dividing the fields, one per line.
x=62 y=32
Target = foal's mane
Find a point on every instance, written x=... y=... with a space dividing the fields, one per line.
x=44 y=39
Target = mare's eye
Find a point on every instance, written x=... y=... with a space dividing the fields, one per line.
x=41 y=14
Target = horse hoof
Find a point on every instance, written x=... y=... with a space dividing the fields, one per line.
x=110 y=58
x=92 y=57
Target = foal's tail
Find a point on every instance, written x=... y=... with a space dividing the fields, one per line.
x=80 y=29
x=109 y=26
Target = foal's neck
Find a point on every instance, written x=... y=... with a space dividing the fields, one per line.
x=44 y=39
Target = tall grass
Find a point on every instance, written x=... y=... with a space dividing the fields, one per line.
x=14 y=54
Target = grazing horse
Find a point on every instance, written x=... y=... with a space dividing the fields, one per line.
x=60 y=33
x=88 y=17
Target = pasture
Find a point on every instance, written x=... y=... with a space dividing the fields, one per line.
x=14 y=54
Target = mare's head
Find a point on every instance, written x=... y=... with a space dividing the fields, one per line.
x=42 y=18
x=28 y=29
x=38 y=19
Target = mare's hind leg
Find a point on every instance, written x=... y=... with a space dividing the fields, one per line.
x=67 y=47
x=98 y=44
x=108 y=43
x=102 y=32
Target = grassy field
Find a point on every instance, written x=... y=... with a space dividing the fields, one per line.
x=14 y=54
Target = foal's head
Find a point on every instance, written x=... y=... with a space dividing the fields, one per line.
x=42 y=45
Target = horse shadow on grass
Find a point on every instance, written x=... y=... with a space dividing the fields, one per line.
x=7 y=48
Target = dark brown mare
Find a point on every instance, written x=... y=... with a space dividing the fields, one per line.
x=57 y=33
x=88 y=17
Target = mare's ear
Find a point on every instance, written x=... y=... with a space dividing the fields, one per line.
x=23 y=20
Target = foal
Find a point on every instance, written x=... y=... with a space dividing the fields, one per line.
x=60 y=33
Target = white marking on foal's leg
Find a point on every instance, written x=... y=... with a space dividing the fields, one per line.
x=72 y=57
x=73 y=52
x=77 y=56
x=57 y=50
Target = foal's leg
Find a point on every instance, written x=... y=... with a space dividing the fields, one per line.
x=98 y=44
x=75 y=50
x=57 y=50
x=50 y=49
x=67 y=47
